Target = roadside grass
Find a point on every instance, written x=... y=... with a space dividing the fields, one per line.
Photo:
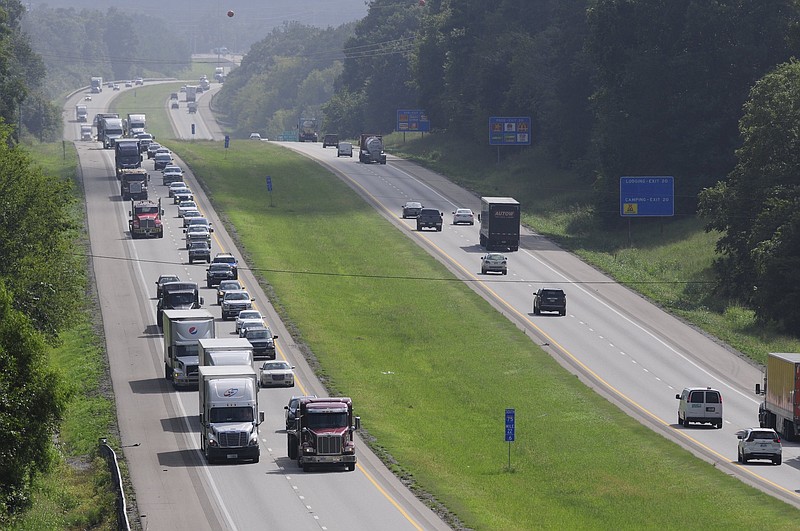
x=77 y=492
x=670 y=263
x=432 y=366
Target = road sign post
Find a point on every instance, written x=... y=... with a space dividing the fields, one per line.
x=269 y=189
x=510 y=431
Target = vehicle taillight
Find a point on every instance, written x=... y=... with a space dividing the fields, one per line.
x=777 y=439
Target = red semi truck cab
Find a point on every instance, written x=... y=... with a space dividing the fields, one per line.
x=324 y=433
x=145 y=219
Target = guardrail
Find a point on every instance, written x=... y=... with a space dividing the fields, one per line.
x=113 y=467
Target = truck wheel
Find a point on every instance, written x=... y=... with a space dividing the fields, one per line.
x=291 y=449
x=352 y=466
x=167 y=372
x=191 y=261
x=161 y=234
x=306 y=467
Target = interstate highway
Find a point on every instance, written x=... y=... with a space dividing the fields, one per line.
x=174 y=487
x=618 y=343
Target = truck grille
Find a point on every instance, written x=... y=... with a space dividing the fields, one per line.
x=233 y=439
x=329 y=444
x=147 y=223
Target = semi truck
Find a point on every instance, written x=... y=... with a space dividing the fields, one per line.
x=97 y=84
x=133 y=183
x=780 y=409
x=145 y=219
x=371 y=149
x=323 y=433
x=81 y=113
x=182 y=331
x=229 y=415
x=135 y=124
x=127 y=155
x=191 y=93
x=499 y=219
x=307 y=130
x=226 y=351
x=178 y=295
x=109 y=131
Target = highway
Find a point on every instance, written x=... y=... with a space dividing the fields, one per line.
x=624 y=347
x=174 y=488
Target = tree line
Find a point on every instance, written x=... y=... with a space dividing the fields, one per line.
x=613 y=88
x=41 y=282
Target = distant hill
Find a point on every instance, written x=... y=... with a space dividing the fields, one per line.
x=208 y=20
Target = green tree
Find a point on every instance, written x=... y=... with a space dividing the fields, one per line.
x=758 y=208
x=671 y=78
x=32 y=400
x=37 y=233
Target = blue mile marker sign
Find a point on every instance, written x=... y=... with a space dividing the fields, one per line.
x=269 y=183
x=510 y=428
x=227 y=141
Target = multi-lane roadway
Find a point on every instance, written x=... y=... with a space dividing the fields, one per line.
x=173 y=485
x=630 y=351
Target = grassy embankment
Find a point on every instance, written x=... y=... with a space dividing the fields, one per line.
x=413 y=353
x=76 y=493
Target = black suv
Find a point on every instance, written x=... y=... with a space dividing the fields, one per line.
x=550 y=300
x=218 y=272
x=228 y=258
x=429 y=218
x=263 y=341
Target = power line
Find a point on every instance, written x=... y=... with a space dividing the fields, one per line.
x=406 y=277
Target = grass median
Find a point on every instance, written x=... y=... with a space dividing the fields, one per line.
x=432 y=366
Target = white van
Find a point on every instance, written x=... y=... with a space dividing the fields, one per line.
x=344 y=149
x=702 y=405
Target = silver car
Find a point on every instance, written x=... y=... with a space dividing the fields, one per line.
x=759 y=443
x=494 y=262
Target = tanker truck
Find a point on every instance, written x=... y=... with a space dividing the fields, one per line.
x=307 y=130
x=371 y=149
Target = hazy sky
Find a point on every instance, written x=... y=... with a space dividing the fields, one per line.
x=270 y=13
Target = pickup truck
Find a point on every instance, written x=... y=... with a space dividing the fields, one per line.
x=429 y=218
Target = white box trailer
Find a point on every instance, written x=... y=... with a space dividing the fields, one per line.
x=183 y=329
x=229 y=415
x=225 y=351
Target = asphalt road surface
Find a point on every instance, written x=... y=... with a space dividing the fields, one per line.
x=174 y=487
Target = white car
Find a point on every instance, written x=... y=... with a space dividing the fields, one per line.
x=195 y=234
x=759 y=443
x=185 y=206
x=190 y=215
x=175 y=186
x=276 y=373
x=463 y=215
x=255 y=136
x=253 y=315
x=249 y=323
x=199 y=220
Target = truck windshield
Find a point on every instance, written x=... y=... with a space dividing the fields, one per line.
x=326 y=420
x=180 y=299
x=231 y=414
x=147 y=210
x=186 y=350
